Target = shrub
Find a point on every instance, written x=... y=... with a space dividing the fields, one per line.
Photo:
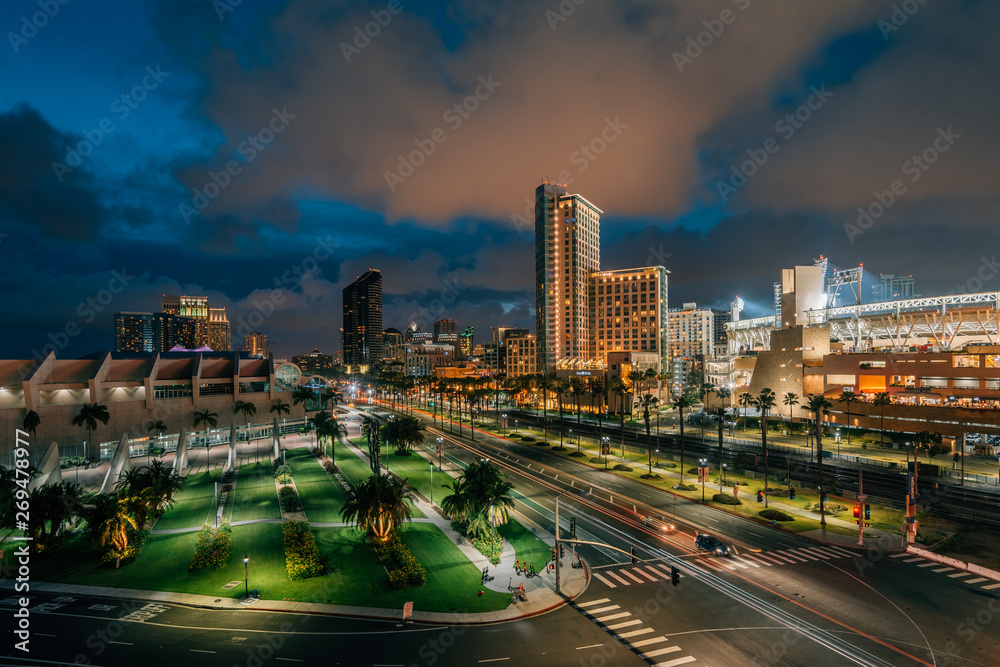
x=489 y=544
x=213 y=549
x=130 y=553
x=724 y=499
x=578 y=454
x=622 y=467
x=775 y=515
x=289 y=499
x=558 y=448
x=527 y=438
x=283 y=471
x=598 y=459
x=302 y=557
x=404 y=570
x=541 y=443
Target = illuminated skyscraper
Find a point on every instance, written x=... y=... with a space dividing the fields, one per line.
x=362 y=334
x=567 y=251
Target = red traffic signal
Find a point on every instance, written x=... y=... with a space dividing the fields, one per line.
x=857 y=511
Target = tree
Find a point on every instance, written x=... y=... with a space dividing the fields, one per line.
x=378 y=505
x=645 y=402
x=205 y=418
x=577 y=387
x=746 y=400
x=847 y=397
x=722 y=393
x=598 y=389
x=156 y=426
x=90 y=414
x=881 y=400
x=481 y=498
x=545 y=383
x=680 y=403
x=301 y=394
x=31 y=422
x=790 y=398
x=618 y=386
x=720 y=414
x=817 y=405
x=248 y=410
x=331 y=430
x=560 y=387
x=280 y=407
x=765 y=401
x=403 y=433
x=115 y=529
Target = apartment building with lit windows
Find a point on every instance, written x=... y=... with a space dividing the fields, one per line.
x=629 y=313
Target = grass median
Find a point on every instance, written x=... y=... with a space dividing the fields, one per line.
x=194 y=503
x=321 y=497
x=256 y=496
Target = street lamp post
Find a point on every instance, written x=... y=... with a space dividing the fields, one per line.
x=657 y=457
x=440 y=448
x=515 y=426
x=704 y=469
x=722 y=478
x=606 y=450
x=246 y=576
x=432 y=483
x=503 y=426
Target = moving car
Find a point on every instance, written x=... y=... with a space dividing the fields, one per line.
x=659 y=523
x=711 y=544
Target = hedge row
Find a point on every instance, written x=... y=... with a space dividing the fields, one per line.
x=404 y=570
x=130 y=553
x=289 y=499
x=302 y=559
x=213 y=549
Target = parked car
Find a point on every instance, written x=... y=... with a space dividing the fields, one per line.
x=659 y=523
x=711 y=544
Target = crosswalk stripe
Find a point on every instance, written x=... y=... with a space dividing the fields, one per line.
x=711 y=564
x=660 y=651
x=643 y=570
x=744 y=559
x=735 y=561
x=791 y=554
x=605 y=619
x=768 y=560
x=899 y=555
x=632 y=576
x=803 y=552
x=991 y=587
x=679 y=661
x=822 y=553
x=618 y=579
x=975 y=581
x=781 y=558
x=664 y=568
x=930 y=564
x=625 y=624
x=833 y=554
x=601 y=610
x=913 y=560
x=958 y=574
x=610 y=585
x=943 y=569
x=845 y=552
x=647 y=642
x=591 y=603
x=634 y=633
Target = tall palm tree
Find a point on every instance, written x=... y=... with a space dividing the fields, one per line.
x=280 y=407
x=31 y=422
x=248 y=410
x=545 y=383
x=680 y=403
x=560 y=387
x=720 y=414
x=817 y=405
x=301 y=395
x=90 y=414
x=598 y=389
x=155 y=426
x=706 y=388
x=723 y=393
x=881 y=400
x=403 y=433
x=116 y=528
x=206 y=419
x=618 y=386
x=459 y=503
x=645 y=402
x=378 y=505
x=790 y=398
x=331 y=430
x=765 y=401
x=746 y=400
x=577 y=387
x=847 y=397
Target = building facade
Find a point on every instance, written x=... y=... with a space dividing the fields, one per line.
x=466 y=342
x=521 y=355
x=393 y=344
x=220 y=336
x=629 y=309
x=195 y=307
x=421 y=360
x=690 y=331
x=567 y=251
x=362 y=333
x=314 y=362
x=255 y=343
x=890 y=288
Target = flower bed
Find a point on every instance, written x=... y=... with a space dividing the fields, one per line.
x=404 y=570
x=213 y=549
x=302 y=559
x=129 y=554
x=289 y=499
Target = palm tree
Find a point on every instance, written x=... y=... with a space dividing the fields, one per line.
x=301 y=394
x=680 y=403
x=378 y=505
x=155 y=426
x=205 y=418
x=248 y=410
x=598 y=389
x=720 y=414
x=403 y=433
x=31 y=422
x=116 y=528
x=497 y=501
x=722 y=393
x=280 y=407
x=545 y=383
x=790 y=398
x=746 y=400
x=645 y=402
x=331 y=430
x=577 y=387
x=459 y=502
x=847 y=396
x=618 y=386
x=881 y=400
x=90 y=414
x=765 y=401
x=817 y=404
x=560 y=387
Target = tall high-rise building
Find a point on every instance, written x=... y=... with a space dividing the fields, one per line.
x=313 y=362
x=195 y=307
x=689 y=331
x=521 y=355
x=256 y=343
x=629 y=308
x=220 y=337
x=891 y=288
x=446 y=331
x=134 y=332
x=362 y=335
x=393 y=344
x=567 y=251
x=466 y=342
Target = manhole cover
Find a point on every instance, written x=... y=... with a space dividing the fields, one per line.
x=231 y=584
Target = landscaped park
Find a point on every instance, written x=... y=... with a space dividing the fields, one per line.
x=193 y=538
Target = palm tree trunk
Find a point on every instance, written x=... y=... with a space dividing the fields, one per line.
x=763 y=442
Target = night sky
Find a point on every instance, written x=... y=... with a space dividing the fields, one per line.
x=265 y=153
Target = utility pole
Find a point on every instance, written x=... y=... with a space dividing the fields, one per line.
x=557 y=546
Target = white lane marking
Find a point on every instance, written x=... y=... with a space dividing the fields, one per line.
x=975 y=581
x=111 y=641
x=782 y=560
x=290 y=659
x=625 y=624
x=643 y=573
x=803 y=552
x=930 y=564
x=605 y=581
x=634 y=633
x=819 y=552
x=913 y=560
x=763 y=559
x=899 y=555
x=494 y=660
x=617 y=578
x=647 y=642
x=198 y=650
x=660 y=651
x=943 y=569
x=845 y=552
x=991 y=587
x=659 y=575
x=603 y=609
x=790 y=554
x=830 y=552
x=605 y=619
x=591 y=603
x=958 y=574
x=744 y=559
x=679 y=661
x=632 y=576
x=39 y=634
x=580 y=648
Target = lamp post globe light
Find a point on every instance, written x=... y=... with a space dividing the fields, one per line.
x=704 y=470
x=440 y=448
x=246 y=576
x=503 y=425
x=722 y=477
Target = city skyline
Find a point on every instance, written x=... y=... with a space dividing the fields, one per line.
x=159 y=168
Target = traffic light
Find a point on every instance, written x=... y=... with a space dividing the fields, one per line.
x=634 y=558
x=791 y=493
x=675 y=575
x=824 y=497
x=562 y=550
x=553 y=555
x=868 y=512
x=857 y=511
x=572 y=527
x=760 y=496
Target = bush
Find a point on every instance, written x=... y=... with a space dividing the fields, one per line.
x=775 y=515
x=725 y=499
x=403 y=567
x=527 y=438
x=130 y=553
x=541 y=443
x=622 y=467
x=578 y=454
x=283 y=474
x=559 y=448
x=489 y=544
x=213 y=549
x=598 y=459
x=302 y=558
x=289 y=499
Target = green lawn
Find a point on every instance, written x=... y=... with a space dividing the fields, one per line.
x=321 y=498
x=357 y=470
x=194 y=503
x=255 y=496
x=416 y=470
x=527 y=547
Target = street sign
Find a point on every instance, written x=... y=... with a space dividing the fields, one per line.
x=736 y=491
x=407 y=610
